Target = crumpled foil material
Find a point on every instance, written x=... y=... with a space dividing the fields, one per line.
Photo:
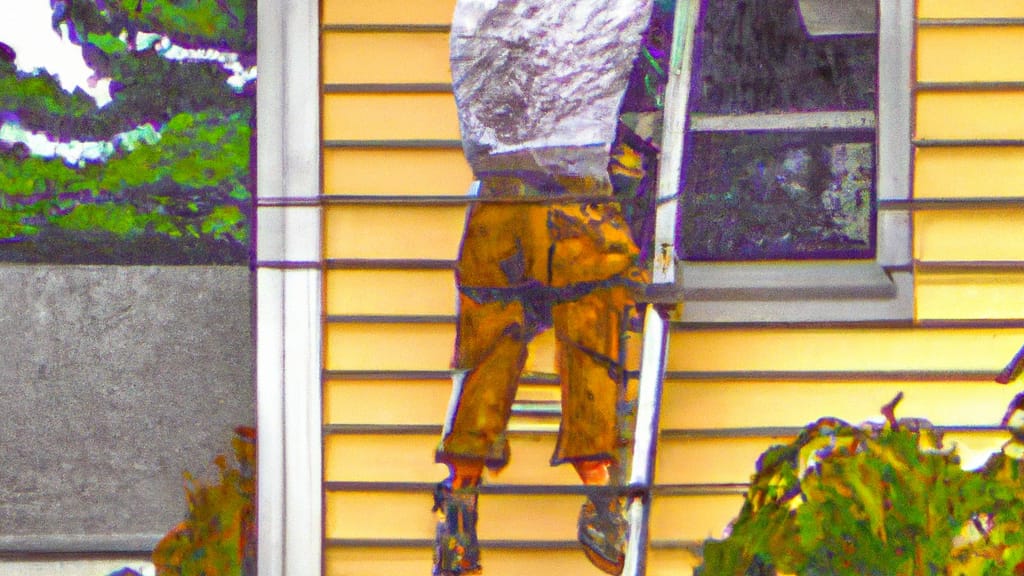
x=539 y=83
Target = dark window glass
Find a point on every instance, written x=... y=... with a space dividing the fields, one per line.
x=762 y=178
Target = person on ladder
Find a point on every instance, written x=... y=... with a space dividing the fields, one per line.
x=538 y=85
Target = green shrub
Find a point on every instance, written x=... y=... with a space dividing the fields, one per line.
x=218 y=537
x=876 y=500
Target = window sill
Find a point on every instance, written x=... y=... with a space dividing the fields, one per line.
x=789 y=292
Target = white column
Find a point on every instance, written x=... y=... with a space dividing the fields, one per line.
x=288 y=289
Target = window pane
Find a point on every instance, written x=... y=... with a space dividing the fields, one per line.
x=753 y=196
x=755 y=56
x=780 y=187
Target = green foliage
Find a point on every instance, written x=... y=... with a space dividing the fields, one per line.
x=225 y=23
x=174 y=183
x=218 y=538
x=191 y=180
x=874 y=500
x=108 y=43
x=41 y=93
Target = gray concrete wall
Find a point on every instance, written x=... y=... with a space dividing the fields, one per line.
x=113 y=380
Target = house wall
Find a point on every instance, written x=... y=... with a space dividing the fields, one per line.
x=394 y=180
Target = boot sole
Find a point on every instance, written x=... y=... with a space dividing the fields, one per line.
x=605 y=565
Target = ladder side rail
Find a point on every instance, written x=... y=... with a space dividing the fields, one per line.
x=673 y=141
x=665 y=287
x=652 y=372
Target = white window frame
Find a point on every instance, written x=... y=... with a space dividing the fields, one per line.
x=288 y=282
x=821 y=291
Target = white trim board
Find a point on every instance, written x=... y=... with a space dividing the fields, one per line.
x=288 y=299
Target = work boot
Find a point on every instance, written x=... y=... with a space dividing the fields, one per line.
x=602 y=531
x=456 y=550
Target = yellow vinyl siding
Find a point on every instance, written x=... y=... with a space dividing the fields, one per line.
x=966 y=54
x=380 y=12
x=369 y=457
x=382 y=58
x=956 y=172
x=409 y=346
x=723 y=404
x=363 y=401
x=422 y=292
x=500 y=562
x=842 y=349
x=989 y=234
x=514 y=517
x=730 y=393
x=428 y=346
x=956 y=115
x=365 y=457
x=700 y=404
x=396 y=172
x=387 y=116
x=970 y=9
x=970 y=295
x=393 y=232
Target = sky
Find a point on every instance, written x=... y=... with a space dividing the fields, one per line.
x=26 y=27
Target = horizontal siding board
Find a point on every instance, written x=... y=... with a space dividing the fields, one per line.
x=839 y=349
x=723 y=404
x=396 y=232
x=388 y=346
x=390 y=292
x=385 y=58
x=393 y=172
x=967 y=295
x=422 y=346
x=970 y=9
x=969 y=235
x=387 y=12
x=410 y=458
x=719 y=404
x=380 y=116
x=710 y=460
x=971 y=116
x=693 y=517
x=969 y=54
x=389 y=515
x=386 y=402
x=403 y=402
x=498 y=561
x=683 y=460
x=969 y=172
x=370 y=346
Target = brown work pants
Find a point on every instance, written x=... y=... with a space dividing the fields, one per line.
x=523 y=268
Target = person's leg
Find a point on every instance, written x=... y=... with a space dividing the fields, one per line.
x=492 y=336
x=595 y=334
x=456 y=550
x=594 y=472
x=598 y=343
x=492 y=350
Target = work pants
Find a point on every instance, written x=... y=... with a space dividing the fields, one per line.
x=525 y=267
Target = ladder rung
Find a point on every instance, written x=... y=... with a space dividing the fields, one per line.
x=537 y=409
